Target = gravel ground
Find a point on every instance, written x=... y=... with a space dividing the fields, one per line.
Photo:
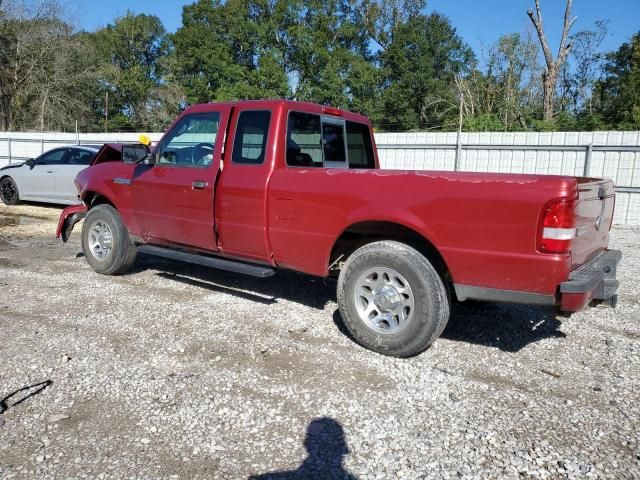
x=174 y=371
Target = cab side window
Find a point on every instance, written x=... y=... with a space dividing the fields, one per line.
x=191 y=142
x=333 y=143
x=360 y=146
x=326 y=141
x=304 y=140
x=250 y=143
x=55 y=157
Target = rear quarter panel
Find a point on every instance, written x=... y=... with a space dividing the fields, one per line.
x=484 y=225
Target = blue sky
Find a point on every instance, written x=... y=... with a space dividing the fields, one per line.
x=479 y=22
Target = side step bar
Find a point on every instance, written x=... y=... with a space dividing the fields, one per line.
x=206 y=261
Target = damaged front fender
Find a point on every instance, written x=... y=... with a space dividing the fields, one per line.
x=68 y=219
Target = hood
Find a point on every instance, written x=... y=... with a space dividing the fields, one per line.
x=110 y=152
x=13 y=165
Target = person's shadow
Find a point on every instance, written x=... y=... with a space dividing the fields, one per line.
x=326 y=446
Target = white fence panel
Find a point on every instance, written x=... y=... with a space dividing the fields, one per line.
x=615 y=155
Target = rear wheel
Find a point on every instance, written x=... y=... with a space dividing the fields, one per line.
x=9 y=191
x=106 y=243
x=391 y=299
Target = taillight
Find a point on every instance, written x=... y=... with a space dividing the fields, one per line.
x=558 y=227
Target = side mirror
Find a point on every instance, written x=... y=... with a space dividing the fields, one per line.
x=30 y=163
x=135 y=153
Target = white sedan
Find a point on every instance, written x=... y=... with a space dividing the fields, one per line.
x=48 y=178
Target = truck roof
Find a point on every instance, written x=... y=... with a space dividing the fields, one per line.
x=289 y=105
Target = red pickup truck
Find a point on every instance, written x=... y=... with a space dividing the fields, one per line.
x=256 y=185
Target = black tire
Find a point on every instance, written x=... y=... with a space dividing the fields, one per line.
x=9 y=191
x=122 y=255
x=431 y=303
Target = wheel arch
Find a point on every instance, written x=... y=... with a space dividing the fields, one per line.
x=6 y=175
x=15 y=181
x=364 y=232
x=93 y=199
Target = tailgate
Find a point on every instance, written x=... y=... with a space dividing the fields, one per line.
x=594 y=212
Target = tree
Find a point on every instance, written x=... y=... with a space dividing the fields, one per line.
x=62 y=92
x=330 y=58
x=419 y=67
x=504 y=97
x=618 y=94
x=30 y=40
x=578 y=77
x=554 y=66
x=132 y=72
x=383 y=17
x=233 y=50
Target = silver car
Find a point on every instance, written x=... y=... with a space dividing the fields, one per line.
x=48 y=178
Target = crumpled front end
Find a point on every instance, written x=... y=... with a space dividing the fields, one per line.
x=68 y=219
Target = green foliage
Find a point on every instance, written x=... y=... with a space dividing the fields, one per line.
x=132 y=72
x=405 y=69
x=618 y=93
x=233 y=50
x=487 y=122
x=330 y=56
x=418 y=68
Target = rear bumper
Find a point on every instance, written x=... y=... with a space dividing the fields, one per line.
x=595 y=281
x=68 y=218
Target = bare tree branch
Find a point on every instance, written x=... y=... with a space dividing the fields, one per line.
x=550 y=76
x=537 y=23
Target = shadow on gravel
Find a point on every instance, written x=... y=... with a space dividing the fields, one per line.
x=30 y=391
x=506 y=327
x=326 y=446
x=52 y=207
x=217 y=288
x=309 y=291
x=509 y=328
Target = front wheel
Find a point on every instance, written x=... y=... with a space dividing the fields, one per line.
x=106 y=243
x=391 y=299
x=9 y=191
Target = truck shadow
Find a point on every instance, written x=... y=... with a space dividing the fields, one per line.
x=310 y=291
x=506 y=327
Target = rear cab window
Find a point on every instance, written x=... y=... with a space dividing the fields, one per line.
x=250 y=141
x=319 y=141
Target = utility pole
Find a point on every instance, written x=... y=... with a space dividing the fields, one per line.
x=458 y=159
x=106 y=112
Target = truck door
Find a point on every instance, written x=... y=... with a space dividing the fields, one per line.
x=173 y=198
x=241 y=206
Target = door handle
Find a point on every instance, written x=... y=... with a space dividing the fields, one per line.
x=49 y=171
x=198 y=185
